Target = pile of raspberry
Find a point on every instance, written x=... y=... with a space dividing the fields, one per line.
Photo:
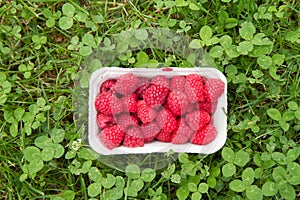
x=133 y=110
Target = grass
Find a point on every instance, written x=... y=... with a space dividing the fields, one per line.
x=43 y=45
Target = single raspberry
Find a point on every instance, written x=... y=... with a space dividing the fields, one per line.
x=143 y=84
x=166 y=120
x=125 y=121
x=130 y=103
x=182 y=134
x=103 y=103
x=213 y=89
x=111 y=137
x=117 y=105
x=133 y=137
x=178 y=83
x=105 y=121
x=194 y=87
x=107 y=85
x=126 y=84
x=204 y=136
x=177 y=102
x=150 y=131
x=209 y=107
x=130 y=141
x=145 y=113
x=198 y=119
x=164 y=136
x=155 y=95
x=161 y=80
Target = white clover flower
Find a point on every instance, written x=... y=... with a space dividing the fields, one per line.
x=76 y=144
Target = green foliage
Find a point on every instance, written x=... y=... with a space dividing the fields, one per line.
x=43 y=45
x=240 y=158
x=66 y=21
x=142 y=60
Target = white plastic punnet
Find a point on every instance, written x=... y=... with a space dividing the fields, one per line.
x=219 y=117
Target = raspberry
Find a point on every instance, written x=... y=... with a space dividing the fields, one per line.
x=133 y=138
x=117 y=105
x=103 y=103
x=177 y=102
x=213 y=89
x=182 y=134
x=164 y=136
x=130 y=103
x=204 y=136
x=150 y=131
x=111 y=137
x=194 y=87
x=144 y=112
x=105 y=121
x=107 y=85
x=143 y=84
x=155 y=95
x=126 y=84
x=125 y=121
x=130 y=141
x=209 y=107
x=161 y=80
x=198 y=119
x=178 y=83
x=166 y=120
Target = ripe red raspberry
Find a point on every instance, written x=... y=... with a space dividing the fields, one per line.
x=103 y=103
x=130 y=141
x=164 y=136
x=143 y=84
x=161 y=80
x=133 y=137
x=204 y=136
x=209 y=107
x=144 y=112
x=126 y=84
x=178 y=83
x=130 y=103
x=213 y=89
x=198 y=119
x=105 y=121
x=125 y=121
x=194 y=87
x=111 y=137
x=177 y=102
x=182 y=134
x=155 y=95
x=107 y=85
x=117 y=105
x=150 y=131
x=166 y=120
